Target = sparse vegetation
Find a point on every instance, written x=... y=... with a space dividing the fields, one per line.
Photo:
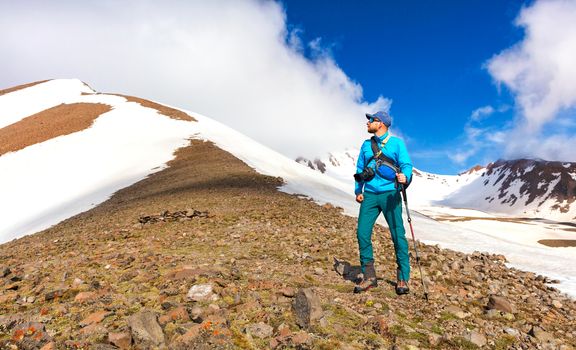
x=255 y=248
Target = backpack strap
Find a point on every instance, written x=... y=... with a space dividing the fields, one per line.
x=381 y=157
x=378 y=151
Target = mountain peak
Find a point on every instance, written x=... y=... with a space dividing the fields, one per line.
x=472 y=170
x=524 y=187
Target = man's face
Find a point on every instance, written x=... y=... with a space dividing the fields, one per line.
x=373 y=125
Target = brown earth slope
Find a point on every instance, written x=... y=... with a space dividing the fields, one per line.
x=102 y=280
x=20 y=87
x=57 y=121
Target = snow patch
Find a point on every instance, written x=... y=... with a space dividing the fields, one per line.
x=23 y=103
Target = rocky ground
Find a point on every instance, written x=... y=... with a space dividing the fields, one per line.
x=208 y=254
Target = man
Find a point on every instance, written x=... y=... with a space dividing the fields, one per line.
x=382 y=194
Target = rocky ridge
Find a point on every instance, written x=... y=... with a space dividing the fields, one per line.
x=522 y=187
x=255 y=272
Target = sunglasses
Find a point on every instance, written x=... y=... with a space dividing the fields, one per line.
x=372 y=120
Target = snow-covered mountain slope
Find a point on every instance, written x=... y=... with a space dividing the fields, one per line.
x=425 y=189
x=524 y=187
x=44 y=181
x=339 y=165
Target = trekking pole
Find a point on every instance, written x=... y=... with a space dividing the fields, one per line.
x=414 y=240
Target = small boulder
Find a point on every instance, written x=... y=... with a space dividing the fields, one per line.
x=557 y=304
x=121 y=340
x=500 y=303
x=307 y=307
x=476 y=338
x=5 y=271
x=541 y=334
x=288 y=292
x=49 y=346
x=301 y=339
x=145 y=329
x=260 y=330
x=511 y=331
x=201 y=292
x=177 y=314
x=456 y=311
x=95 y=317
x=53 y=295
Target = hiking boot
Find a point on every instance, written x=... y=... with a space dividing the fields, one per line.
x=365 y=284
x=402 y=288
x=369 y=279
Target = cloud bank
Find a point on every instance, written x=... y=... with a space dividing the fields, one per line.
x=234 y=61
x=541 y=73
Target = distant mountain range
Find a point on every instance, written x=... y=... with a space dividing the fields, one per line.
x=523 y=187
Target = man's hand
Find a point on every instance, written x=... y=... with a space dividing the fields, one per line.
x=359 y=198
x=401 y=178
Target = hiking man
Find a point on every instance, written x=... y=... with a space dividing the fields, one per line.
x=382 y=167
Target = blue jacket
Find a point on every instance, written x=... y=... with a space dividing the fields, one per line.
x=395 y=149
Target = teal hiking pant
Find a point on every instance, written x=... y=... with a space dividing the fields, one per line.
x=389 y=203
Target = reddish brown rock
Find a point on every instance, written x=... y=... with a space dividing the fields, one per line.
x=288 y=292
x=95 y=317
x=93 y=328
x=121 y=340
x=186 y=339
x=178 y=314
x=83 y=297
x=301 y=338
x=49 y=346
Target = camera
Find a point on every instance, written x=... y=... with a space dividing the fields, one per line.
x=365 y=176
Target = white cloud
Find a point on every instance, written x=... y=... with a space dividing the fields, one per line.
x=541 y=73
x=498 y=137
x=460 y=157
x=481 y=113
x=232 y=60
x=479 y=138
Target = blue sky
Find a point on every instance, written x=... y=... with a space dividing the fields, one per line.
x=428 y=57
x=468 y=82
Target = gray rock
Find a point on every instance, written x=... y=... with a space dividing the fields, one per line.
x=511 y=331
x=260 y=330
x=307 y=307
x=500 y=303
x=556 y=304
x=5 y=271
x=201 y=292
x=540 y=334
x=475 y=338
x=434 y=339
x=456 y=311
x=196 y=313
x=54 y=294
x=146 y=332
